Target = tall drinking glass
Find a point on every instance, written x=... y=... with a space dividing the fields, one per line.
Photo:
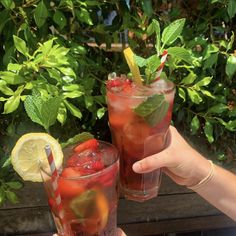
x=139 y=118
x=87 y=185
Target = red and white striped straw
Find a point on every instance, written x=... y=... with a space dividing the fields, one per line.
x=160 y=68
x=54 y=180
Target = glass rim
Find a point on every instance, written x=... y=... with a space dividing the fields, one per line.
x=105 y=170
x=154 y=90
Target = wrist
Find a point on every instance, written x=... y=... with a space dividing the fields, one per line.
x=205 y=174
x=199 y=167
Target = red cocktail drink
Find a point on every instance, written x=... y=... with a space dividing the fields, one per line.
x=139 y=117
x=87 y=185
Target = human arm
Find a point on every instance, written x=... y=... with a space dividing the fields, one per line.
x=184 y=165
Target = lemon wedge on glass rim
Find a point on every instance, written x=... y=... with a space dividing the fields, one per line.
x=28 y=155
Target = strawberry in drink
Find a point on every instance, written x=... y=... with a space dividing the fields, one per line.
x=88 y=188
x=139 y=117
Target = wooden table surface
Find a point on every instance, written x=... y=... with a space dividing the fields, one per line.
x=176 y=209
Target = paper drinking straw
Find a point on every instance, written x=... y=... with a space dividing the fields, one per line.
x=160 y=68
x=54 y=178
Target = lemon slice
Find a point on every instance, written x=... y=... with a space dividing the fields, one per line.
x=129 y=56
x=28 y=155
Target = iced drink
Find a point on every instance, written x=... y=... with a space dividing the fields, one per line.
x=87 y=185
x=139 y=117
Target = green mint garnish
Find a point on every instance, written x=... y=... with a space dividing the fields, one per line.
x=153 y=110
x=84 y=204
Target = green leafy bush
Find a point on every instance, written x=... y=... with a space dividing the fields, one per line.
x=54 y=65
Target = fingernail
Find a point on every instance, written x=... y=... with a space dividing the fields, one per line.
x=136 y=167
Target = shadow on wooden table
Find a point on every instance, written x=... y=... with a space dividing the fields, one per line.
x=175 y=210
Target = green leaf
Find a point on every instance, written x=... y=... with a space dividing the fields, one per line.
x=79 y=138
x=72 y=94
x=59 y=18
x=210 y=49
x=231 y=125
x=231 y=66
x=11 y=78
x=215 y=1
x=40 y=14
x=45 y=48
x=49 y=111
x=5 y=89
x=14 y=185
x=8 y=4
x=218 y=109
x=155 y=27
x=140 y=61
x=207 y=93
x=153 y=110
x=195 y=125
x=12 y=197
x=71 y=87
x=81 y=204
x=189 y=79
x=194 y=96
x=210 y=61
x=147 y=7
x=232 y=113
x=14 y=67
x=208 y=130
x=55 y=74
x=182 y=93
x=6 y=163
x=83 y=15
x=231 y=42
x=100 y=112
x=181 y=54
x=231 y=8
x=13 y=102
x=172 y=31
x=67 y=71
x=43 y=112
x=2 y=99
x=204 y=82
x=20 y=45
x=66 y=3
x=78 y=49
x=62 y=114
x=152 y=63
x=88 y=101
x=73 y=109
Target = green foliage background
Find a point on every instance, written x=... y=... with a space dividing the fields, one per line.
x=52 y=79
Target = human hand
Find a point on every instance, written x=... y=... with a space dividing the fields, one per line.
x=179 y=161
x=120 y=232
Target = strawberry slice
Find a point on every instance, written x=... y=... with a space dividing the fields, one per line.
x=107 y=179
x=70 y=172
x=113 y=83
x=89 y=144
x=69 y=188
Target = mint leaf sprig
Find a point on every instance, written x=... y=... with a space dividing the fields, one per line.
x=164 y=40
x=153 y=110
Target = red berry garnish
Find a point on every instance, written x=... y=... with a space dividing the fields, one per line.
x=89 y=144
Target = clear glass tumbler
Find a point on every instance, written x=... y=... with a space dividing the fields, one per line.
x=89 y=193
